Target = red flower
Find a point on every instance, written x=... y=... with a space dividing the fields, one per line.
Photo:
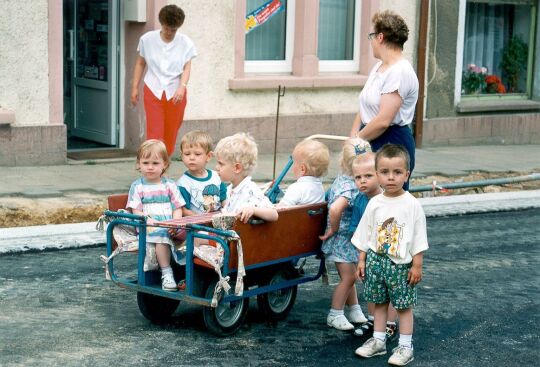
x=494 y=84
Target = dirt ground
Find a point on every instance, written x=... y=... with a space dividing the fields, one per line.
x=83 y=207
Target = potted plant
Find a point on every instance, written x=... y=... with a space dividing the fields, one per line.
x=473 y=79
x=514 y=60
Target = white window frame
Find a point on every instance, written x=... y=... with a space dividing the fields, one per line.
x=279 y=66
x=459 y=51
x=334 y=66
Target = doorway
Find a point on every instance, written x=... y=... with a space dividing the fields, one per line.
x=91 y=44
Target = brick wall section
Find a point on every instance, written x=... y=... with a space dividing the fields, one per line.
x=485 y=129
x=32 y=145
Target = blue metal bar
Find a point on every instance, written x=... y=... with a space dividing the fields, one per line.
x=479 y=183
x=279 y=261
x=274 y=190
x=125 y=215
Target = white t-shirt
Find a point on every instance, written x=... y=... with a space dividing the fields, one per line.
x=306 y=190
x=245 y=194
x=202 y=194
x=396 y=226
x=165 y=61
x=398 y=77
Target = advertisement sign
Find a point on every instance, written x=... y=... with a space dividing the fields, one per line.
x=260 y=15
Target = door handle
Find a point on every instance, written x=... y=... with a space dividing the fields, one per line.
x=71 y=45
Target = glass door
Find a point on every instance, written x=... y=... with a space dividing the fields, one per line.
x=94 y=82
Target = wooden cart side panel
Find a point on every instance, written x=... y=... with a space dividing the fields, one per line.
x=295 y=232
x=116 y=202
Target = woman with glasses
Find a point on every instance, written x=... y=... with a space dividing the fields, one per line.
x=388 y=99
x=167 y=54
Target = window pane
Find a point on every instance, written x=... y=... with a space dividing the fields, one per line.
x=336 y=30
x=496 y=48
x=267 y=41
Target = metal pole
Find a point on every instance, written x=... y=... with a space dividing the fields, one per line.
x=462 y=185
x=280 y=94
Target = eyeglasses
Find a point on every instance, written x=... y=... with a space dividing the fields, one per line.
x=372 y=35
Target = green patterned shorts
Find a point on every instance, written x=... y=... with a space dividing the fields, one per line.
x=387 y=282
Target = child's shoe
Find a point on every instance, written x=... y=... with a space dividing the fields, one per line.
x=371 y=348
x=365 y=330
x=356 y=316
x=339 y=322
x=168 y=283
x=401 y=356
x=391 y=332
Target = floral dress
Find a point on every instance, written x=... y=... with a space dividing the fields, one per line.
x=339 y=248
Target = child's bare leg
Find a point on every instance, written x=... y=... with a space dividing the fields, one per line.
x=163 y=255
x=346 y=273
x=392 y=313
x=380 y=312
x=406 y=321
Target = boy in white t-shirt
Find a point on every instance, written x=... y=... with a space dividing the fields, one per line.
x=201 y=188
x=236 y=158
x=310 y=163
x=392 y=233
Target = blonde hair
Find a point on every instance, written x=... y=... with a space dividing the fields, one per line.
x=366 y=158
x=238 y=148
x=153 y=147
x=351 y=148
x=197 y=138
x=314 y=155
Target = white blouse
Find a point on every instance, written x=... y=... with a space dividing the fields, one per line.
x=398 y=77
x=165 y=61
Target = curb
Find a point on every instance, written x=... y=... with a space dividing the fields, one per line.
x=77 y=235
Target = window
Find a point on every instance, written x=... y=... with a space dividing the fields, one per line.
x=498 y=45
x=307 y=44
x=269 y=46
x=338 y=35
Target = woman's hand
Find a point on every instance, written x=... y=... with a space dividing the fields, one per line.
x=329 y=233
x=134 y=96
x=179 y=94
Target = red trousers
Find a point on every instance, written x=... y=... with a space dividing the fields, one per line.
x=163 y=118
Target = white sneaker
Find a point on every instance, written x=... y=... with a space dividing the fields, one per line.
x=356 y=316
x=371 y=348
x=168 y=283
x=401 y=356
x=339 y=322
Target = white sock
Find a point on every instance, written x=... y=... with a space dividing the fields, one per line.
x=393 y=323
x=166 y=270
x=381 y=335
x=335 y=312
x=354 y=308
x=405 y=341
x=371 y=318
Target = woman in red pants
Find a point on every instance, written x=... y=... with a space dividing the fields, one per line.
x=167 y=54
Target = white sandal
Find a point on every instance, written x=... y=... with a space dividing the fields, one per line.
x=339 y=322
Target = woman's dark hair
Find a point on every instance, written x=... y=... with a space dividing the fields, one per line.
x=171 y=16
x=392 y=26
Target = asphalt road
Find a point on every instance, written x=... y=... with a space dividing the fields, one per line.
x=478 y=306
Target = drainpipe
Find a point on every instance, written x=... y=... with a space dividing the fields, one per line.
x=421 y=70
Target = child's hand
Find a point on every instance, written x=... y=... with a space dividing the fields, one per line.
x=415 y=275
x=329 y=233
x=361 y=270
x=150 y=221
x=246 y=213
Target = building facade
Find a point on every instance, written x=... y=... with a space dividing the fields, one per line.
x=67 y=71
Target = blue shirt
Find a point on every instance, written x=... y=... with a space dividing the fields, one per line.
x=359 y=206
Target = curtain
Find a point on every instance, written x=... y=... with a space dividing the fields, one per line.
x=336 y=29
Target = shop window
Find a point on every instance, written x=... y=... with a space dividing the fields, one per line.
x=498 y=46
x=338 y=35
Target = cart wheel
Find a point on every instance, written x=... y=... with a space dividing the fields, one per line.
x=276 y=305
x=227 y=317
x=156 y=309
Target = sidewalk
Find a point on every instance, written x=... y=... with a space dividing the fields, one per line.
x=115 y=176
x=106 y=177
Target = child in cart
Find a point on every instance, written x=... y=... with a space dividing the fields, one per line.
x=236 y=158
x=337 y=244
x=201 y=188
x=365 y=178
x=159 y=199
x=310 y=163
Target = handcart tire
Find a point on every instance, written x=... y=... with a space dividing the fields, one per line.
x=227 y=317
x=276 y=305
x=155 y=308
